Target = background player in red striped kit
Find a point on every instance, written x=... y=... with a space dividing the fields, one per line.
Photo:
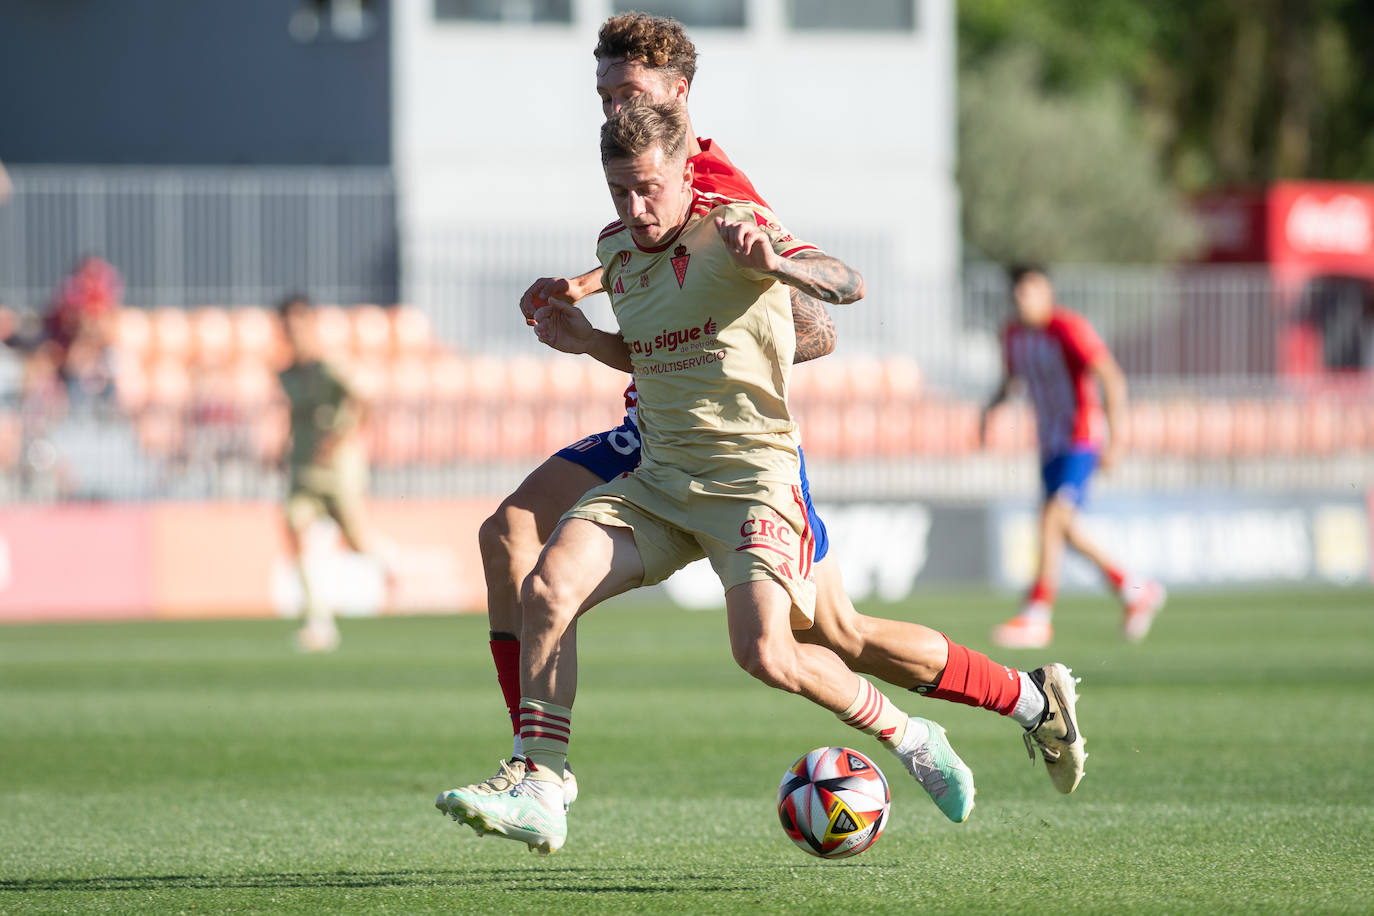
x=1061 y=359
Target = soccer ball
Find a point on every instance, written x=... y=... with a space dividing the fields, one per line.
x=833 y=802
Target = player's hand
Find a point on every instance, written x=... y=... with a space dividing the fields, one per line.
x=748 y=245
x=543 y=290
x=563 y=327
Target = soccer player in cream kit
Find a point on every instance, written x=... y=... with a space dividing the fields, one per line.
x=699 y=288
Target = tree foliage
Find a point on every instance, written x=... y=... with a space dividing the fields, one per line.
x=1060 y=176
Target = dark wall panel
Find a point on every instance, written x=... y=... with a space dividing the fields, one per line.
x=189 y=82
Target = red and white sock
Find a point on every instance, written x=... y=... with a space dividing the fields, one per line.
x=1040 y=601
x=505 y=651
x=545 y=729
x=876 y=715
x=971 y=678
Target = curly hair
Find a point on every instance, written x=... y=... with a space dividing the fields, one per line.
x=655 y=41
x=641 y=126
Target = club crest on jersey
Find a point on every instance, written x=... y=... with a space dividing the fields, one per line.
x=680 y=259
x=644 y=281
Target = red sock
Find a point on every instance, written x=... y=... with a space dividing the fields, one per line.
x=506 y=654
x=974 y=679
x=1115 y=576
x=1042 y=592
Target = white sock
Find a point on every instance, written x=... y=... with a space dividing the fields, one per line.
x=1037 y=610
x=916 y=734
x=517 y=747
x=1030 y=705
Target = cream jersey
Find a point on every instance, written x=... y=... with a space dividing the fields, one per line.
x=711 y=344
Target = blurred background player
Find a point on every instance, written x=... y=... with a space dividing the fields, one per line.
x=327 y=463
x=1061 y=359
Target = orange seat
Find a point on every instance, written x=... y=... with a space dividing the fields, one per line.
x=1321 y=428
x=131 y=385
x=408 y=382
x=334 y=331
x=169 y=384
x=448 y=376
x=1181 y=427
x=371 y=332
x=411 y=331
x=160 y=431
x=1249 y=428
x=254 y=385
x=822 y=432
x=1215 y=422
x=257 y=335
x=1011 y=429
x=902 y=378
x=527 y=379
x=1284 y=427
x=133 y=334
x=1145 y=430
x=212 y=336
x=171 y=334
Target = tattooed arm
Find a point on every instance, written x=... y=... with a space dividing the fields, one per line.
x=818 y=275
x=814 y=327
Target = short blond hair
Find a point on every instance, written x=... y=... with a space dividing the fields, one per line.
x=655 y=41
x=641 y=126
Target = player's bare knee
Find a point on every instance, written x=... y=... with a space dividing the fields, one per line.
x=546 y=598
x=769 y=663
x=499 y=534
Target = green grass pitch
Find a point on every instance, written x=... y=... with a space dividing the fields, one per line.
x=179 y=767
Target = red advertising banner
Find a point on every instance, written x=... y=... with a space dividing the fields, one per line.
x=75 y=562
x=201 y=560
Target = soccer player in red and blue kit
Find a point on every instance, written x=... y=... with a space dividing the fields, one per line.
x=1061 y=359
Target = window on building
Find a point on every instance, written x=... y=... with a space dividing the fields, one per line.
x=868 y=16
x=714 y=14
x=515 y=11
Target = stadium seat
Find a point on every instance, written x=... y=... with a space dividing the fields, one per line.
x=1321 y=423
x=255 y=386
x=902 y=378
x=1181 y=427
x=169 y=384
x=1284 y=427
x=371 y=332
x=408 y=382
x=527 y=380
x=171 y=334
x=822 y=431
x=334 y=331
x=1145 y=434
x=1011 y=429
x=131 y=385
x=133 y=334
x=257 y=335
x=412 y=334
x=369 y=376
x=212 y=335
x=897 y=428
x=448 y=377
x=1249 y=422
x=1215 y=421
x=486 y=378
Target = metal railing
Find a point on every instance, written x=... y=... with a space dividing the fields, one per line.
x=194 y=236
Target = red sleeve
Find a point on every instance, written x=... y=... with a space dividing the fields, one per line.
x=1080 y=340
